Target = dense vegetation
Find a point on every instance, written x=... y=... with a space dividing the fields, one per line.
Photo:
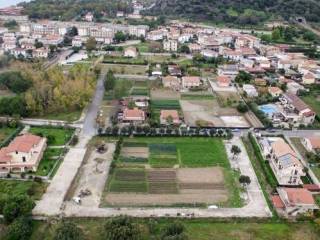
x=239 y=12
x=70 y=9
x=41 y=92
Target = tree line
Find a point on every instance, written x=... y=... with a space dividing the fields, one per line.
x=39 y=92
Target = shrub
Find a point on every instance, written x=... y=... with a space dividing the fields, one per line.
x=20 y=229
x=68 y=231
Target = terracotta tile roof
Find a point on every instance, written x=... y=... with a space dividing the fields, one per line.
x=299 y=196
x=23 y=143
x=191 y=79
x=312 y=187
x=315 y=142
x=133 y=114
x=296 y=102
x=277 y=202
x=223 y=79
x=275 y=90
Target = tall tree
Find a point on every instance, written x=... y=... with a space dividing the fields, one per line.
x=121 y=228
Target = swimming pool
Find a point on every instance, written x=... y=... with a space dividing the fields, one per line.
x=268 y=109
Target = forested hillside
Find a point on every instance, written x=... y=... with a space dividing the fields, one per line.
x=238 y=11
x=70 y=9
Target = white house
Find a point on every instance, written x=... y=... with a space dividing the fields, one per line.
x=250 y=90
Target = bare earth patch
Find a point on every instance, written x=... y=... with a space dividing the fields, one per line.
x=200 y=175
x=138 y=152
x=186 y=197
x=164 y=94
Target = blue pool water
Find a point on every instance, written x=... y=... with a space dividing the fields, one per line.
x=268 y=109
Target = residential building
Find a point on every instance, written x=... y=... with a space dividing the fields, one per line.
x=308 y=78
x=294 y=105
x=231 y=70
x=172 y=115
x=174 y=70
x=171 y=82
x=41 y=53
x=284 y=162
x=312 y=144
x=194 y=47
x=170 y=45
x=275 y=91
x=130 y=52
x=22 y=154
x=250 y=90
x=190 y=82
x=294 y=201
x=223 y=81
x=134 y=115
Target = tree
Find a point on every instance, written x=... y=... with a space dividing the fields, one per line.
x=235 y=150
x=184 y=49
x=68 y=231
x=276 y=34
x=174 y=231
x=121 y=228
x=91 y=44
x=17 y=206
x=243 y=77
x=110 y=81
x=38 y=44
x=245 y=180
x=20 y=229
x=119 y=37
x=242 y=107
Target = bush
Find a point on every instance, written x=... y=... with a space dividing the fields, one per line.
x=174 y=231
x=121 y=228
x=68 y=231
x=17 y=206
x=20 y=229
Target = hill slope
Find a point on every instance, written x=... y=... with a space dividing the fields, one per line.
x=238 y=11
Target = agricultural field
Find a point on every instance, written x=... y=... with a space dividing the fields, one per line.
x=125 y=69
x=171 y=172
x=140 y=88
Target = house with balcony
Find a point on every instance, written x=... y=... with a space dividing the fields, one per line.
x=283 y=161
x=22 y=154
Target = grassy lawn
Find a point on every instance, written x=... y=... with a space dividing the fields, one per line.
x=48 y=161
x=13 y=187
x=313 y=101
x=197 y=229
x=193 y=152
x=56 y=136
x=5 y=132
x=65 y=116
x=140 y=91
x=125 y=69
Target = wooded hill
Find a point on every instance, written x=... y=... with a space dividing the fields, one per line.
x=238 y=11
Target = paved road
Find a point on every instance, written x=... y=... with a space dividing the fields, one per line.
x=52 y=201
x=89 y=125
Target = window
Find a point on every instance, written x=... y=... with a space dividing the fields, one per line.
x=23 y=159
